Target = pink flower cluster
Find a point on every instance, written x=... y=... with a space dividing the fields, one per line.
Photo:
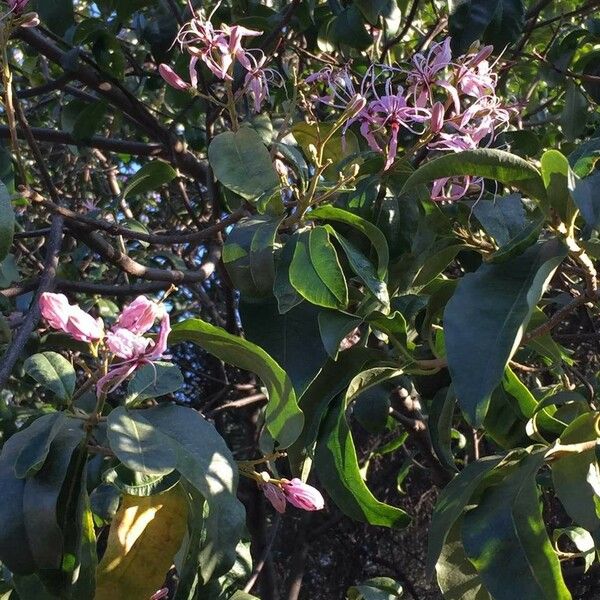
x=219 y=49
x=450 y=104
x=296 y=492
x=125 y=340
x=17 y=6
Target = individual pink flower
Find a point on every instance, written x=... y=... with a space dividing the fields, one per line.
x=17 y=6
x=172 y=78
x=126 y=344
x=55 y=308
x=83 y=327
x=275 y=496
x=302 y=495
x=61 y=315
x=139 y=316
x=135 y=350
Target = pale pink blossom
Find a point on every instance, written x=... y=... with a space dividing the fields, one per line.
x=301 y=495
x=139 y=315
x=160 y=594
x=61 y=315
x=275 y=496
x=55 y=308
x=136 y=351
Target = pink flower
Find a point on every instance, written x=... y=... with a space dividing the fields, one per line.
x=55 y=308
x=437 y=117
x=139 y=316
x=17 y=5
x=83 y=327
x=302 y=495
x=61 y=315
x=135 y=350
x=174 y=80
x=275 y=496
x=126 y=344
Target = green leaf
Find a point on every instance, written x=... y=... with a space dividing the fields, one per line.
x=56 y=15
x=149 y=178
x=490 y=309
x=373 y=9
x=528 y=236
x=152 y=381
x=456 y=576
x=291 y=339
x=496 y=22
x=40 y=435
x=242 y=163
x=504 y=167
x=248 y=255
x=168 y=437
x=436 y=263
x=574 y=115
x=334 y=378
x=284 y=419
x=287 y=296
x=334 y=326
x=348 y=28
x=328 y=212
x=451 y=504
x=54 y=372
x=7 y=222
x=88 y=121
x=439 y=423
x=502 y=218
x=585 y=195
x=48 y=498
x=377 y=588
x=372 y=409
x=363 y=268
x=575 y=475
x=336 y=148
x=315 y=271
x=559 y=181
x=505 y=538
x=336 y=463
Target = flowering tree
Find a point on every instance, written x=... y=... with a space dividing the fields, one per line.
x=274 y=272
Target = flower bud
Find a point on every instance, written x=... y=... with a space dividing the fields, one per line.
x=17 y=5
x=275 y=496
x=437 y=117
x=83 y=327
x=302 y=495
x=140 y=315
x=29 y=20
x=55 y=308
x=355 y=106
x=482 y=55
x=174 y=80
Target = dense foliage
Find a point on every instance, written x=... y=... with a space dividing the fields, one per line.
x=269 y=269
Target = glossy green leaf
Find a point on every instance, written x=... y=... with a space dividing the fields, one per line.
x=505 y=538
x=574 y=115
x=152 y=381
x=150 y=177
x=504 y=167
x=57 y=15
x=334 y=326
x=455 y=574
x=490 y=309
x=451 y=505
x=439 y=422
x=328 y=212
x=168 y=437
x=291 y=339
x=528 y=236
x=336 y=148
x=496 y=22
x=283 y=417
x=363 y=268
x=377 y=588
x=39 y=436
x=241 y=162
x=576 y=476
x=283 y=290
x=559 y=181
x=336 y=463
x=248 y=255
x=53 y=371
x=7 y=222
x=315 y=271
x=436 y=263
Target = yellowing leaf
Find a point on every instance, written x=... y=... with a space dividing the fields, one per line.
x=144 y=537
